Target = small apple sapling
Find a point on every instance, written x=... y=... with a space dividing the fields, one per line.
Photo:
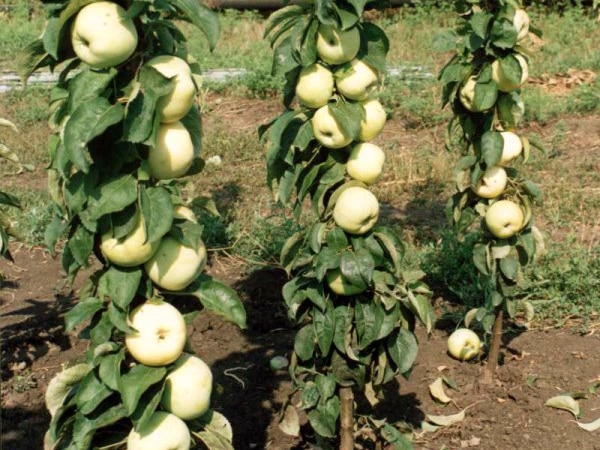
x=163 y=431
x=173 y=154
x=340 y=286
x=356 y=210
x=504 y=219
x=131 y=250
x=365 y=162
x=357 y=82
x=373 y=120
x=511 y=148
x=160 y=333
x=492 y=183
x=315 y=86
x=175 y=105
x=102 y=36
x=327 y=130
x=464 y=344
x=335 y=46
x=188 y=387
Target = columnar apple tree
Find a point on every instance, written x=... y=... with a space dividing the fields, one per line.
x=355 y=305
x=493 y=202
x=126 y=129
x=7 y=199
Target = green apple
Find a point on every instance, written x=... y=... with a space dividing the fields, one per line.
x=502 y=81
x=521 y=24
x=365 y=162
x=492 y=183
x=327 y=130
x=504 y=219
x=464 y=344
x=315 y=86
x=357 y=82
x=175 y=105
x=173 y=153
x=356 y=210
x=187 y=388
x=130 y=251
x=467 y=95
x=174 y=266
x=163 y=431
x=512 y=148
x=336 y=46
x=102 y=36
x=373 y=121
x=160 y=333
x=340 y=286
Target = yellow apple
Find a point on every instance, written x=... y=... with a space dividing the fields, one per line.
x=327 y=130
x=357 y=82
x=464 y=344
x=187 y=388
x=512 y=148
x=173 y=154
x=160 y=333
x=365 y=162
x=373 y=121
x=163 y=431
x=467 y=94
x=175 y=105
x=315 y=86
x=340 y=286
x=492 y=183
x=174 y=266
x=504 y=219
x=356 y=210
x=102 y=36
x=521 y=24
x=503 y=83
x=335 y=46
x=130 y=251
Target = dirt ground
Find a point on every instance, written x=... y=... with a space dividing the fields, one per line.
x=535 y=365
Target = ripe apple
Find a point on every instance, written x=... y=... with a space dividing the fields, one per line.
x=464 y=344
x=163 y=431
x=102 y=36
x=356 y=210
x=315 y=86
x=504 y=219
x=365 y=162
x=373 y=121
x=175 y=105
x=467 y=94
x=130 y=251
x=173 y=154
x=512 y=148
x=327 y=130
x=502 y=81
x=492 y=183
x=174 y=266
x=335 y=46
x=340 y=286
x=357 y=82
x=521 y=24
x=187 y=388
x=160 y=333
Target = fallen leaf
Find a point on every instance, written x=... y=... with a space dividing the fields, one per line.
x=592 y=426
x=445 y=421
x=565 y=402
x=436 y=389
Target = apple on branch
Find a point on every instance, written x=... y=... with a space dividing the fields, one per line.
x=358 y=81
x=160 y=333
x=173 y=154
x=327 y=130
x=492 y=183
x=102 y=36
x=336 y=46
x=504 y=219
x=163 y=431
x=340 y=286
x=511 y=148
x=315 y=86
x=504 y=83
x=131 y=250
x=467 y=95
x=521 y=24
x=365 y=162
x=373 y=121
x=356 y=210
x=175 y=105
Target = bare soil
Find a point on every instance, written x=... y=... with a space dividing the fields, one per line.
x=510 y=414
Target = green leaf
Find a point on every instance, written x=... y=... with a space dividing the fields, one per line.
x=137 y=381
x=84 y=427
x=90 y=393
x=503 y=34
x=368 y=322
x=213 y=440
x=324 y=325
x=479 y=23
x=88 y=120
x=343 y=316
x=323 y=418
x=147 y=405
x=357 y=267
x=491 y=147
x=480 y=258
x=112 y=196
x=486 y=94
x=396 y=438
x=290 y=250
x=336 y=239
x=304 y=342
x=120 y=284
x=376 y=46
x=393 y=246
x=201 y=16
x=192 y=121
x=326 y=385
x=532 y=189
x=327 y=259
x=220 y=299
x=157 y=209
x=81 y=312
x=510 y=267
x=281 y=21
x=101 y=329
x=348 y=116
x=81 y=244
x=402 y=347
x=445 y=41
x=88 y=85
x=54 y=34
x=109 y=369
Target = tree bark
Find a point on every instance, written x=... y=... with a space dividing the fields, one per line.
x=346 y=418
x=494 y=354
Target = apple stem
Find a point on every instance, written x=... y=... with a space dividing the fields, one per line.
x=494 y=353
x=346 y=418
